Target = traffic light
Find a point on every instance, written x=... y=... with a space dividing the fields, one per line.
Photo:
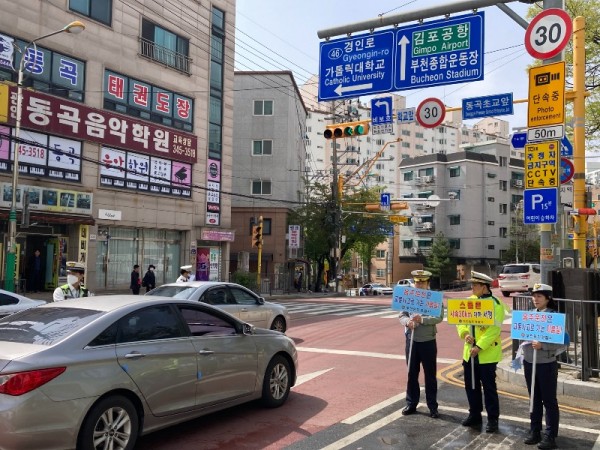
x=347 y=129
x=395 y=206
x=257 y=234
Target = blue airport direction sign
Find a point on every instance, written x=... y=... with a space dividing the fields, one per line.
x=357 y=65
x=519 y=140
x=440 y=52
x=487 y=106
x=435 y=53
x=540 y=205
x=566 y=148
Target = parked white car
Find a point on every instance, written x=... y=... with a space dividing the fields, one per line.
x=518 y=278
x=406 y=282
x=11 y=303
x=376 y=289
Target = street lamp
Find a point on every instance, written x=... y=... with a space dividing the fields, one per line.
x=75 y=27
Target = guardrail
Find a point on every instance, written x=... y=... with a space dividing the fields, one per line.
x=582 y=318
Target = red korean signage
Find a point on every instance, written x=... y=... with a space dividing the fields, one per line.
x=66 y=118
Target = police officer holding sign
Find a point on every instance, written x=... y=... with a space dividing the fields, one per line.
x=481 y=354
x=74 y=287
x=421 y=349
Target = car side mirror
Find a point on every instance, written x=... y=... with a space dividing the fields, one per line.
x=248 y=329
x=261 y=300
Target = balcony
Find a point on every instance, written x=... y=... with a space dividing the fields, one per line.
x=163 y=55
x=426 y=227
x=428 y=179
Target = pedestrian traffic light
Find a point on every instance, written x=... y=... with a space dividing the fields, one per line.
x=257 y=234
x=347 y=129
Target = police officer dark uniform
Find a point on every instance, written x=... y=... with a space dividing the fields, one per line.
x=422 y=330
x=546 y=375
x=74 y=287
x=482 y=343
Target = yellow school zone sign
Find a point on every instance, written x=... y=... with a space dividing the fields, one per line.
x=470 y=311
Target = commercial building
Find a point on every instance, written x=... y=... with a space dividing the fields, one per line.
x=125 y=146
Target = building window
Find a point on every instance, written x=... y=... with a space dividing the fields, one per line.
x=419 y=147
x=503 y=185
x=215 y=112
x=263 y=107
x=492 y=247
x=266 y=226
x=165 y=47
x=491 y=199
x=454 y=172
x=100 y=10
x=406 y=144
x=407 y=243
x=419 y=135
x=454 y=219
x=408 y=176
x=502 y=232
x=260 y=187
x=454 y=244
x=380 y=254
x=405 y=132
x=503 y=208
x=262 y=148
x=502 y=161
x=380 y=273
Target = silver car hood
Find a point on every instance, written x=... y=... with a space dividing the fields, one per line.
x=265 y=332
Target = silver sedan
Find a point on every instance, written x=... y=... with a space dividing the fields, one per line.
x=95 y=373
x=233 y=298
x=11 y=303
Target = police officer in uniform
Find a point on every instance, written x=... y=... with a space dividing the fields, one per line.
x=185 y=274
x=74 y=287
x=422 y=330
x=546 y=375
x=483 y=345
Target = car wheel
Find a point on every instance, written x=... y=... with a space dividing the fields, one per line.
x=276 y=384
x=505 y=293
x=279 y=324
x=111 y=423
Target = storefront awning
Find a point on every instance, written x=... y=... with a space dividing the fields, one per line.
x=43 y=217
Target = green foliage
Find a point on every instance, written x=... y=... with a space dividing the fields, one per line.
x=527 y=248
x=246 y=279
x=439 y=261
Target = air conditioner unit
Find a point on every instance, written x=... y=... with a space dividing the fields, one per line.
x=415 y=250
x=427 y=179
x=428 y=225
x=519 y=183
x=452 y=195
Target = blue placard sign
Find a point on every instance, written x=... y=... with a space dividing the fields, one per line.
x=417 y=301
x=487 y=106
x=540 y=205
x=357 y=65
x=538 y=326
x=519 y=140
x=381 y=110
x=566 y=148
x=406 y=115
x=386 y=199
x=440 y=52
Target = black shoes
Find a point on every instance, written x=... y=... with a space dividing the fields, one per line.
x=408 y=410
x=533 y=438
x=434 y=414
x=492 y=426
x=547 y=443
x=472 y=421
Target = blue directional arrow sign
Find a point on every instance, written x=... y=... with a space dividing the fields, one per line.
x=444 y=51
x=382 y=115
x=358 y=65
x=386 y=199
x=566 y=148
x=519 y=140
x=540 y=205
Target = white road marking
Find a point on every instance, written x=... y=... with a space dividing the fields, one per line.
x=373 y=409
x=310 y=376
x=365 y=354
x=378 y=313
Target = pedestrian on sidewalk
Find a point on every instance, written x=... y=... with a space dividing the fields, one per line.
x=421 y=329
x=149 y=281
x=546 y=377
x=483 y=346
x=136 y=282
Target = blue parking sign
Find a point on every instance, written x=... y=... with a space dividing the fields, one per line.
x=540 y=205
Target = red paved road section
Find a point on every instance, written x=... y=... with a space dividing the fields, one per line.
x=352 y=383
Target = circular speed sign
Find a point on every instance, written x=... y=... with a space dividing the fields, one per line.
x=431 y=112
x=548 y=33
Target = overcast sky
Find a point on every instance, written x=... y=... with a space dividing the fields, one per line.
x=282 y=35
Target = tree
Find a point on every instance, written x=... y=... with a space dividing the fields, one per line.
x=590 y=9
x=439 y=261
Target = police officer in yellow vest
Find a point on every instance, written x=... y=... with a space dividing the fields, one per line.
x=483 y=344
x=74 y=287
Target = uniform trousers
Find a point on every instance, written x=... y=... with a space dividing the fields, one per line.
x=424 y=353
x=546 y=375
x=485 y=375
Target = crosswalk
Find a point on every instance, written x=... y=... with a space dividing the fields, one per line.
x=307 y=309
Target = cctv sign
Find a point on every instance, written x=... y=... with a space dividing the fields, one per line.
x=546 y=105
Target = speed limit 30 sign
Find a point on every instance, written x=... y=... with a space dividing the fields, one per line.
x=431 y=112
x=548 y=33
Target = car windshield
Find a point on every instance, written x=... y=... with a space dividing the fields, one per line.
x=181 y=292
x=45 y=326
x=515 y=269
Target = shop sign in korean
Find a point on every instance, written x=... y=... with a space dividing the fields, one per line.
x=213 y=191
x=49 y=199
x=77 y=121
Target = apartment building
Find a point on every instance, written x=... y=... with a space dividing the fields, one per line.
x=125 y=142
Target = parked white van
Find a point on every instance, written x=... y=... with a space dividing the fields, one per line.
x=518 y=277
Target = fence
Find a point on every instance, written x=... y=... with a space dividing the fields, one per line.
x=583 y=353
